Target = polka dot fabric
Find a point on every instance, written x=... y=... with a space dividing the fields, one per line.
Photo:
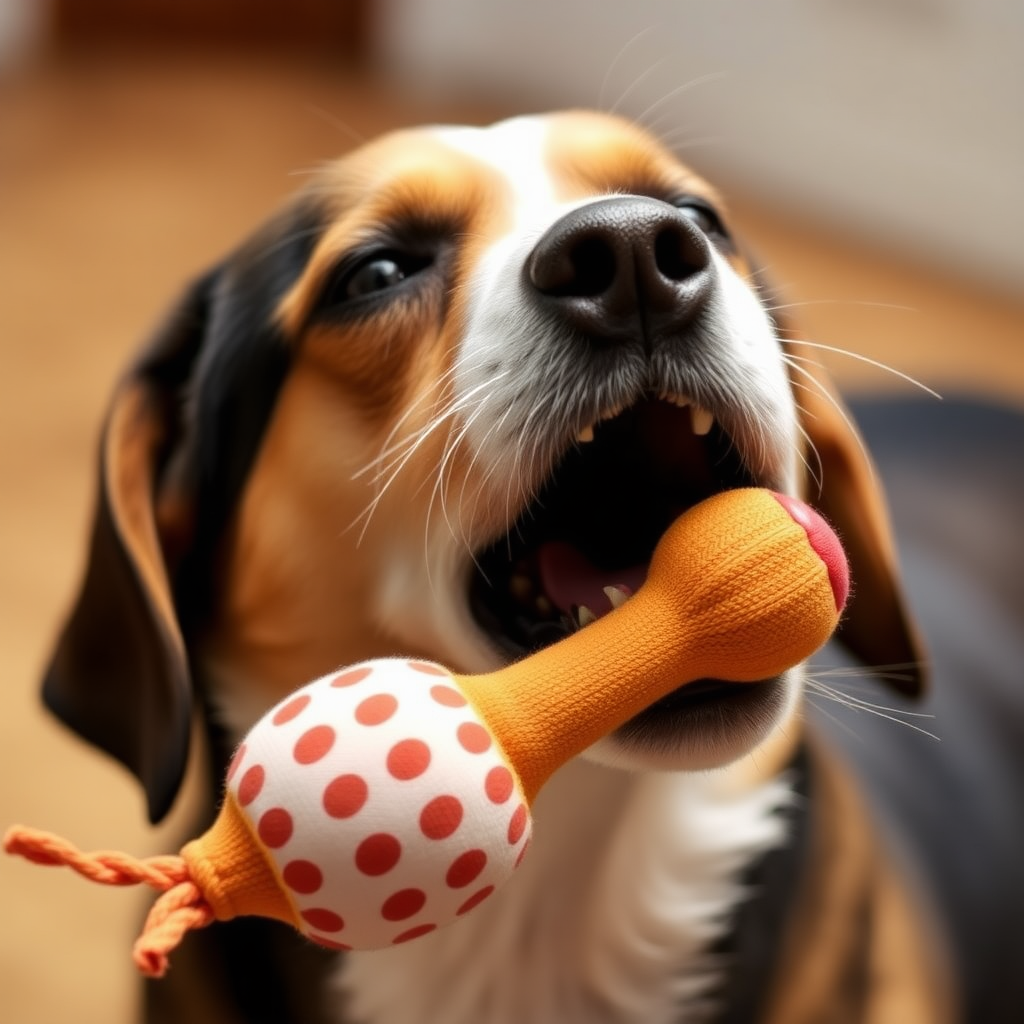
x=385 y=807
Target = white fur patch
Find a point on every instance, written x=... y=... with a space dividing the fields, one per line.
x=602 y=924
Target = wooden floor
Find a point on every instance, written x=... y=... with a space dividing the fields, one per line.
x=119 y=179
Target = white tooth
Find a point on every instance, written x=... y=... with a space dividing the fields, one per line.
x=701 y=420
x=585 y=616
x=611 y=413
x=543 y=605
x=679 y=402
x=586 y=435
x=617 y=595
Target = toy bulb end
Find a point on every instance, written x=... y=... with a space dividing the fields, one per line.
x=824 y=542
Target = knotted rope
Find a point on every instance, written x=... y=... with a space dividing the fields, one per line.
x=181 y=907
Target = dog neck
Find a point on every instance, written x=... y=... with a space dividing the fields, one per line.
x=605 y=922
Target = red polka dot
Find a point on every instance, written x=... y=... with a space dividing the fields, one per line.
x=403 y=904
x=522 y=854
x=275 y=828
x=499 y=784
x=323 y=920
x=376 y=709
x=414 y=933
x=345 y=796
x=466 y=868
x=474 y=737
x=352 y=676
x=235 y=762
x=322 y=940
x=251 y=784
x=441 y=817
x=475 y=900
x=408 y=759
x=448 y=697
x=290 y=710
x=517 y=826
x=378 y=854
x=429 y=670
x=302 y=876
x=314 y=743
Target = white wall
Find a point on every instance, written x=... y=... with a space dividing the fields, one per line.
x=22 y=26
x=903 y=118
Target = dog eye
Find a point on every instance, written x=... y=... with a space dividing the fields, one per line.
x=377 y=274
x=364 y=280
x=703 y=216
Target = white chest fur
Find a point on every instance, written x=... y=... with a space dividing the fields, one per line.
x=628 y=881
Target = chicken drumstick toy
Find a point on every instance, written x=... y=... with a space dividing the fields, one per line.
x=384 y=800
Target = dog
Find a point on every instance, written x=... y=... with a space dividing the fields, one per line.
x=377 y=428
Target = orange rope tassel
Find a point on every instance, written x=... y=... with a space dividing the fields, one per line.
x=180 y=909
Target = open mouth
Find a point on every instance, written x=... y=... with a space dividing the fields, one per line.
x=584 y=544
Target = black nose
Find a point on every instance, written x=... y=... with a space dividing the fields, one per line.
x=622 y=268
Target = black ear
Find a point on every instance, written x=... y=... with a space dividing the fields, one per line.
x=120 y=673
x=182 y=431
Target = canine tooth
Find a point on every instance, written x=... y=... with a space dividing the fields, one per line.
x=617 y=595
x=585 y=616
x=678 y=401
x=701 y=420
x=586 y=435
x=543 y=605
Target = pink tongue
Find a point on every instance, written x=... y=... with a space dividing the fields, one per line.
x=568 y=578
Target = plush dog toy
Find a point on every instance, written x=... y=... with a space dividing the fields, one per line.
x=387 y=799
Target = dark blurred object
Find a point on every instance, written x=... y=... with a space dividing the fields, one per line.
x=950 y=802
x=340 y=27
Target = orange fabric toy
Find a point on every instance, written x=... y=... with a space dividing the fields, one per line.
x=387 y=799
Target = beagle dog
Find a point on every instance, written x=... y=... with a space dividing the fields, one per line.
x=457 y=387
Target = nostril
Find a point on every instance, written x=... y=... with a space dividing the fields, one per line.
x=594 y=267
x=676 y=256
x=584 y=268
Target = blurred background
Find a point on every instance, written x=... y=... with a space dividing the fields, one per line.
x=872 y=152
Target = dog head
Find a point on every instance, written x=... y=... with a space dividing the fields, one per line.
x=456 y=389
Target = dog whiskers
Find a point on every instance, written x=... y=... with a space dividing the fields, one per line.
x=816 y=476
x=332 y=120
x=615 y=61
x=389 y=448
x=693 y=83
x=863 y=359
x=406 y=449
x=861 y=303
x=638 y=80
x=855 y=675
x=816 y=687
x=401 y=449
x=793 y=362
x=439 y=492
x=482 y=484
x=679 y=142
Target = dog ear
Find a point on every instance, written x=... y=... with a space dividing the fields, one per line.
x=877 y=626
x=182 y=431
x=119 y=675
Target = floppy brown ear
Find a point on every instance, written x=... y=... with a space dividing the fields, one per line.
x=877 y=626
x=119 y=675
